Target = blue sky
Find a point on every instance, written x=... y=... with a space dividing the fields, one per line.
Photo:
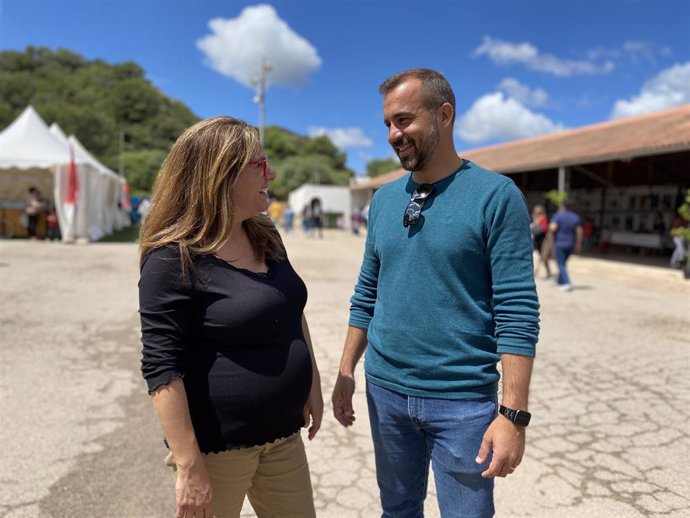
x=519 y=68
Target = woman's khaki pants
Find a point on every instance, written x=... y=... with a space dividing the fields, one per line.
x=274 y=476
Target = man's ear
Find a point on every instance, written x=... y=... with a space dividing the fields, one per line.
x=447 y=113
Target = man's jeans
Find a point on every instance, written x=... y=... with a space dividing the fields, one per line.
x=408 y=432
x=562 y=254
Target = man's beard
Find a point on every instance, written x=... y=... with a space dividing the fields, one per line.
x=428 y=143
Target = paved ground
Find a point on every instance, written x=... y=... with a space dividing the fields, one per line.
x=610 y=394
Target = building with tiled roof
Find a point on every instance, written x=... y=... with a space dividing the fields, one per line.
x=619 y=173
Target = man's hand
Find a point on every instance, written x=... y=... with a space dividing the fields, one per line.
x=507 y=440
x=342 y=400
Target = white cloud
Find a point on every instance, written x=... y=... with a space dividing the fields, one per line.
x=506 y=53
x=523 y=93
x=236 y=47
x=640 y=50
x=495 y=116
x=669 y=88
x=634 y=51
x=343 y=137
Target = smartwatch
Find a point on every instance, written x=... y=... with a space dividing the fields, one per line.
x=519 y=417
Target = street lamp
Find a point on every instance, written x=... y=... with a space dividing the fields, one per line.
x=260 y=98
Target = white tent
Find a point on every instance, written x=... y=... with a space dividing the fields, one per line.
x=101 y=187
x=30 y=155
x=112 y=213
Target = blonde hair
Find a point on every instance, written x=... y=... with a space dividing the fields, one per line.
x=192 y=201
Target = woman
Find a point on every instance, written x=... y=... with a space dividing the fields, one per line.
x=540 y=228
x=226 y=349
x=34 y=206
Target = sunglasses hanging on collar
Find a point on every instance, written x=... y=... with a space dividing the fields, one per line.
x=416 y=204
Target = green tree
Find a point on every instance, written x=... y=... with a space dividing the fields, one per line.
x=556 y=197
x=65 y=59
x=322 y=145
x=95 y=130
x=97 y=101
x=141 y=169
x=16 y=89
x=135 y=101
x=378 y=167
x=297 y=170
x=298 y=160
x=280 y=143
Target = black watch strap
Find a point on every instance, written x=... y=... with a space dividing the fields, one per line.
x=519 y=417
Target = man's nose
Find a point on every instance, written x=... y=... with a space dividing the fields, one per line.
x=394 y=133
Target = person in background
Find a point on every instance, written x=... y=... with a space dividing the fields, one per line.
x=275 y=210
x=539 y=228
x=227 y=355
x=317 y=218
x=588 y=234
x=34 y=205
x=52 y=224
x=143 y=209
x=356 y=221
x=679 y=251
x=446 y=289
x=288 y=219
x=567 y=228
x=306 y=220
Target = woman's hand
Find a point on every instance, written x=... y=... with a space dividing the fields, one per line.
x=313 y=409
x=193 y=492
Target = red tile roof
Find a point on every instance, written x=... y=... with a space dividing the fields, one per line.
x=644 y=135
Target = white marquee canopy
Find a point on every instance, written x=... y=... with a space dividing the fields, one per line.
x=31 y=154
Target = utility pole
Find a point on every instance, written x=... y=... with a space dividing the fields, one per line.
x=260 y=98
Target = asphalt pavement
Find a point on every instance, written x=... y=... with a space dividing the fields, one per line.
x=610 y=434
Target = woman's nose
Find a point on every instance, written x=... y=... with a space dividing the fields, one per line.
x=270 y=173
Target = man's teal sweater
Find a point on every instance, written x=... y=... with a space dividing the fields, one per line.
x=441 y=300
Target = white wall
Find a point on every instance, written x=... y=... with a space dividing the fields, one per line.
x=334 y=199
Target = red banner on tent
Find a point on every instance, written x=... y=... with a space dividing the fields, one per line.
x=72 y=182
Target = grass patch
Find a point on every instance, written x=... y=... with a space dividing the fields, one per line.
x=128 y=234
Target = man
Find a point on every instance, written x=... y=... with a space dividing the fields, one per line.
x=678 y=240
x=143 y=209
x=446 y=287
x=567 y=229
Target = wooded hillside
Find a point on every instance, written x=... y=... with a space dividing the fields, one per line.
x=95 y=101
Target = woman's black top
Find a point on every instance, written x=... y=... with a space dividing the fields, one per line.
x=235 y=337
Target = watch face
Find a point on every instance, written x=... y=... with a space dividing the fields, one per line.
x=519 y=417
x=522 y=418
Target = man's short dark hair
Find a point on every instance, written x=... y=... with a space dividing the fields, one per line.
x=435 y=87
